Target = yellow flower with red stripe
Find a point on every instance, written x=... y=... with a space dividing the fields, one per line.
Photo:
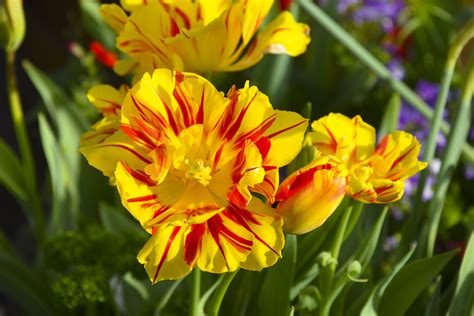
x=187 y=160
x=201 y=36
x=376 y=174
x=108 y=101
x=310 y=195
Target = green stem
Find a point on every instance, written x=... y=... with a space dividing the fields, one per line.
x=224 y=283
x=335 y=249
x=195 y=293
x=458 y=135
x=33 y=204
x=376 y=66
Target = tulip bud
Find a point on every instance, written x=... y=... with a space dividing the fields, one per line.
x=12 y=24
x=310 y=195
x=353 y=270
x=325 y=259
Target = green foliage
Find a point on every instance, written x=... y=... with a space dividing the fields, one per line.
x=84 y=286
x=11 y=174
x=85 y=262
x=410 y=282
x=275 y=292
x=463 y=299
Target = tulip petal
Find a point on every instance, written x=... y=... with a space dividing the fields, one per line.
x=163 y=254
x=310 y=195
x=283 y=35
x=114 y=16
x=286 y=136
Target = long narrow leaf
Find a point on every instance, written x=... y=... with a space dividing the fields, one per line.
x=275 y=292
x=11 y=174
x=410 y=282
x=372 y=304
x=463 y=300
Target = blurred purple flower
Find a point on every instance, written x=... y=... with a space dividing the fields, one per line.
x=396 y=68
x=469 y=172
x=412 y=121
x=397 y=214
x=385 y=12
x=412 y=183
x=391 y=242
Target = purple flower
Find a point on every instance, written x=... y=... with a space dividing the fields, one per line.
x=469 y=172
x=343 y=5
x=385 y=12
x=412 y=121
x=391 y=242
x=396 y=68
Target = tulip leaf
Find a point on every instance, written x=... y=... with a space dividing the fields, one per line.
x=93 y=23
x=60 y=217
x=64 y=134
x=116 y=221
x=11 y=172
x=464 y=292
x=19 y=284
x=369 y=244
x=410 y=282
x=274 y=297
x=434 y=305
x=373 y=301
x=304 y=281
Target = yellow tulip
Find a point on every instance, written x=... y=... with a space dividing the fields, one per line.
x=201 y=36
x=187 y=160
x=310 y=195
x=376 y=174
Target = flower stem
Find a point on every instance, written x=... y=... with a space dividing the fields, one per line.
x=335 y=250
x=376 y=66
x=33 y=206
x=224 y=283
x=195 y=293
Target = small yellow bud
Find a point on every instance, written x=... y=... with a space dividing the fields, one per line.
x=12 y=24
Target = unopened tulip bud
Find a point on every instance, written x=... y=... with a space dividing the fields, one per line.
x=353 y=270
x=12 y=24
x=325 y=259
x=310 y=195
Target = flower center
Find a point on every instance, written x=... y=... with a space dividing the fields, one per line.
x=197 y=171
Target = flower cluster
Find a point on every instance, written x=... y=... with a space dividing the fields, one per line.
x=199 y=169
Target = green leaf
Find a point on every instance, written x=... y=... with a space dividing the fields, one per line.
x=116 y=221
x=310 y=244
x=11 y=172
x=135 y=295
x=390 y=116
x=410 y=282
x=464 y=292
x=372 y=304
x=367 y=248
x=54 y=159
x=275 y=292
x=19 y=284
x=93 y=23
x=434 y=305
x=68 y=125
x=304 y=281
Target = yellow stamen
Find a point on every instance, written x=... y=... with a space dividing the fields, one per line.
x=198 y=172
